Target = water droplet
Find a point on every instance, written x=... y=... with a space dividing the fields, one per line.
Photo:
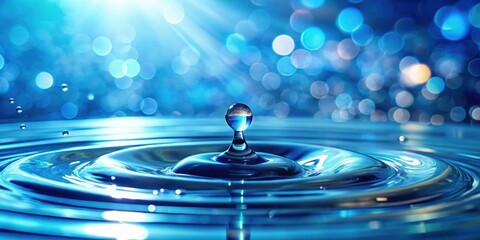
x=23 y=126
x=162 y=190
x=155 y=192
x=239 y=116
x=66 y=133
x=64 y=87
x=112 y=177
x=151 y=208
x=19 y=109
x=402 y=138
x=178 y=191
x=11 y=101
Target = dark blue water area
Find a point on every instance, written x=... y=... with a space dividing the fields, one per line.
x=116 y=178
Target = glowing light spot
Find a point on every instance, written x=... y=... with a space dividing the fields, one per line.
x=349 y=20
x=318 y=89
x=312 y=3
x=407 y=62
x=401 y=115
x=416 y=74
x=474 y=16
x=366 y=106
x=301 y=58
x=283 y=45
x=313 y=38
x=455 y=27
x=271 y=81
x=131 y=67
x=285 y=66
x=101 y=46
x=123 y=83
x=475 y=113
x=391 y=42
x=173 y=12
x=235 y=43
x=148 y=71
x=69 y=110
x=149 y=106
x=347 y=49
x=435 y=85
x=180 y=65
x=44 y=80
x=437 y=119
x=474 y=67
x=257 y=70
x=457 y=114
x=381 y=199
x=116 y=68
x=116 y=231
x=19 y=35
x=151 y=208
x=404 y=99
x=452 y=23
x=363 y=35
x=300 y=20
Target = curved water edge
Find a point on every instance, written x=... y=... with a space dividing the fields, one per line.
x=114 y=174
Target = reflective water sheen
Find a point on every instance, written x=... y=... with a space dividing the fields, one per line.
x=115 y=178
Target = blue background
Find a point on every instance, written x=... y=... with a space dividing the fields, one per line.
x=374 y=60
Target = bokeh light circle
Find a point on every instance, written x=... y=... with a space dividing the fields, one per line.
x=349 y=20
x=312 y=38
x=283 y=45
x=101 y=46
x=173 y=12
x=435 y=85
x=44 y=80
x=363 y=35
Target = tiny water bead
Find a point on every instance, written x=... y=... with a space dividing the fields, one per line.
x=238 y=161
x=64 y=87
x=11 y=101
x=19 y=109
x=65 y=133
x=23 y=126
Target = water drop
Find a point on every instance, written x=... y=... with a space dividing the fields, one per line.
x=239 y=116
x=238 y=161
x=112 y=177
x=64 y=87
x=155 y=192
x=178 y=191
x=23 y=126
x=402 y=138
x=66 y=133
x=19 y=109
x=11 y=101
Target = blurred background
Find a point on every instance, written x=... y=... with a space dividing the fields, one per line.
x=374 y=60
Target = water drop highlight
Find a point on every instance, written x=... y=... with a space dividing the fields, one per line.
x=64 y=87
x=11 y=101
x=66 y=133
x=23 y=126
x=19 y=109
